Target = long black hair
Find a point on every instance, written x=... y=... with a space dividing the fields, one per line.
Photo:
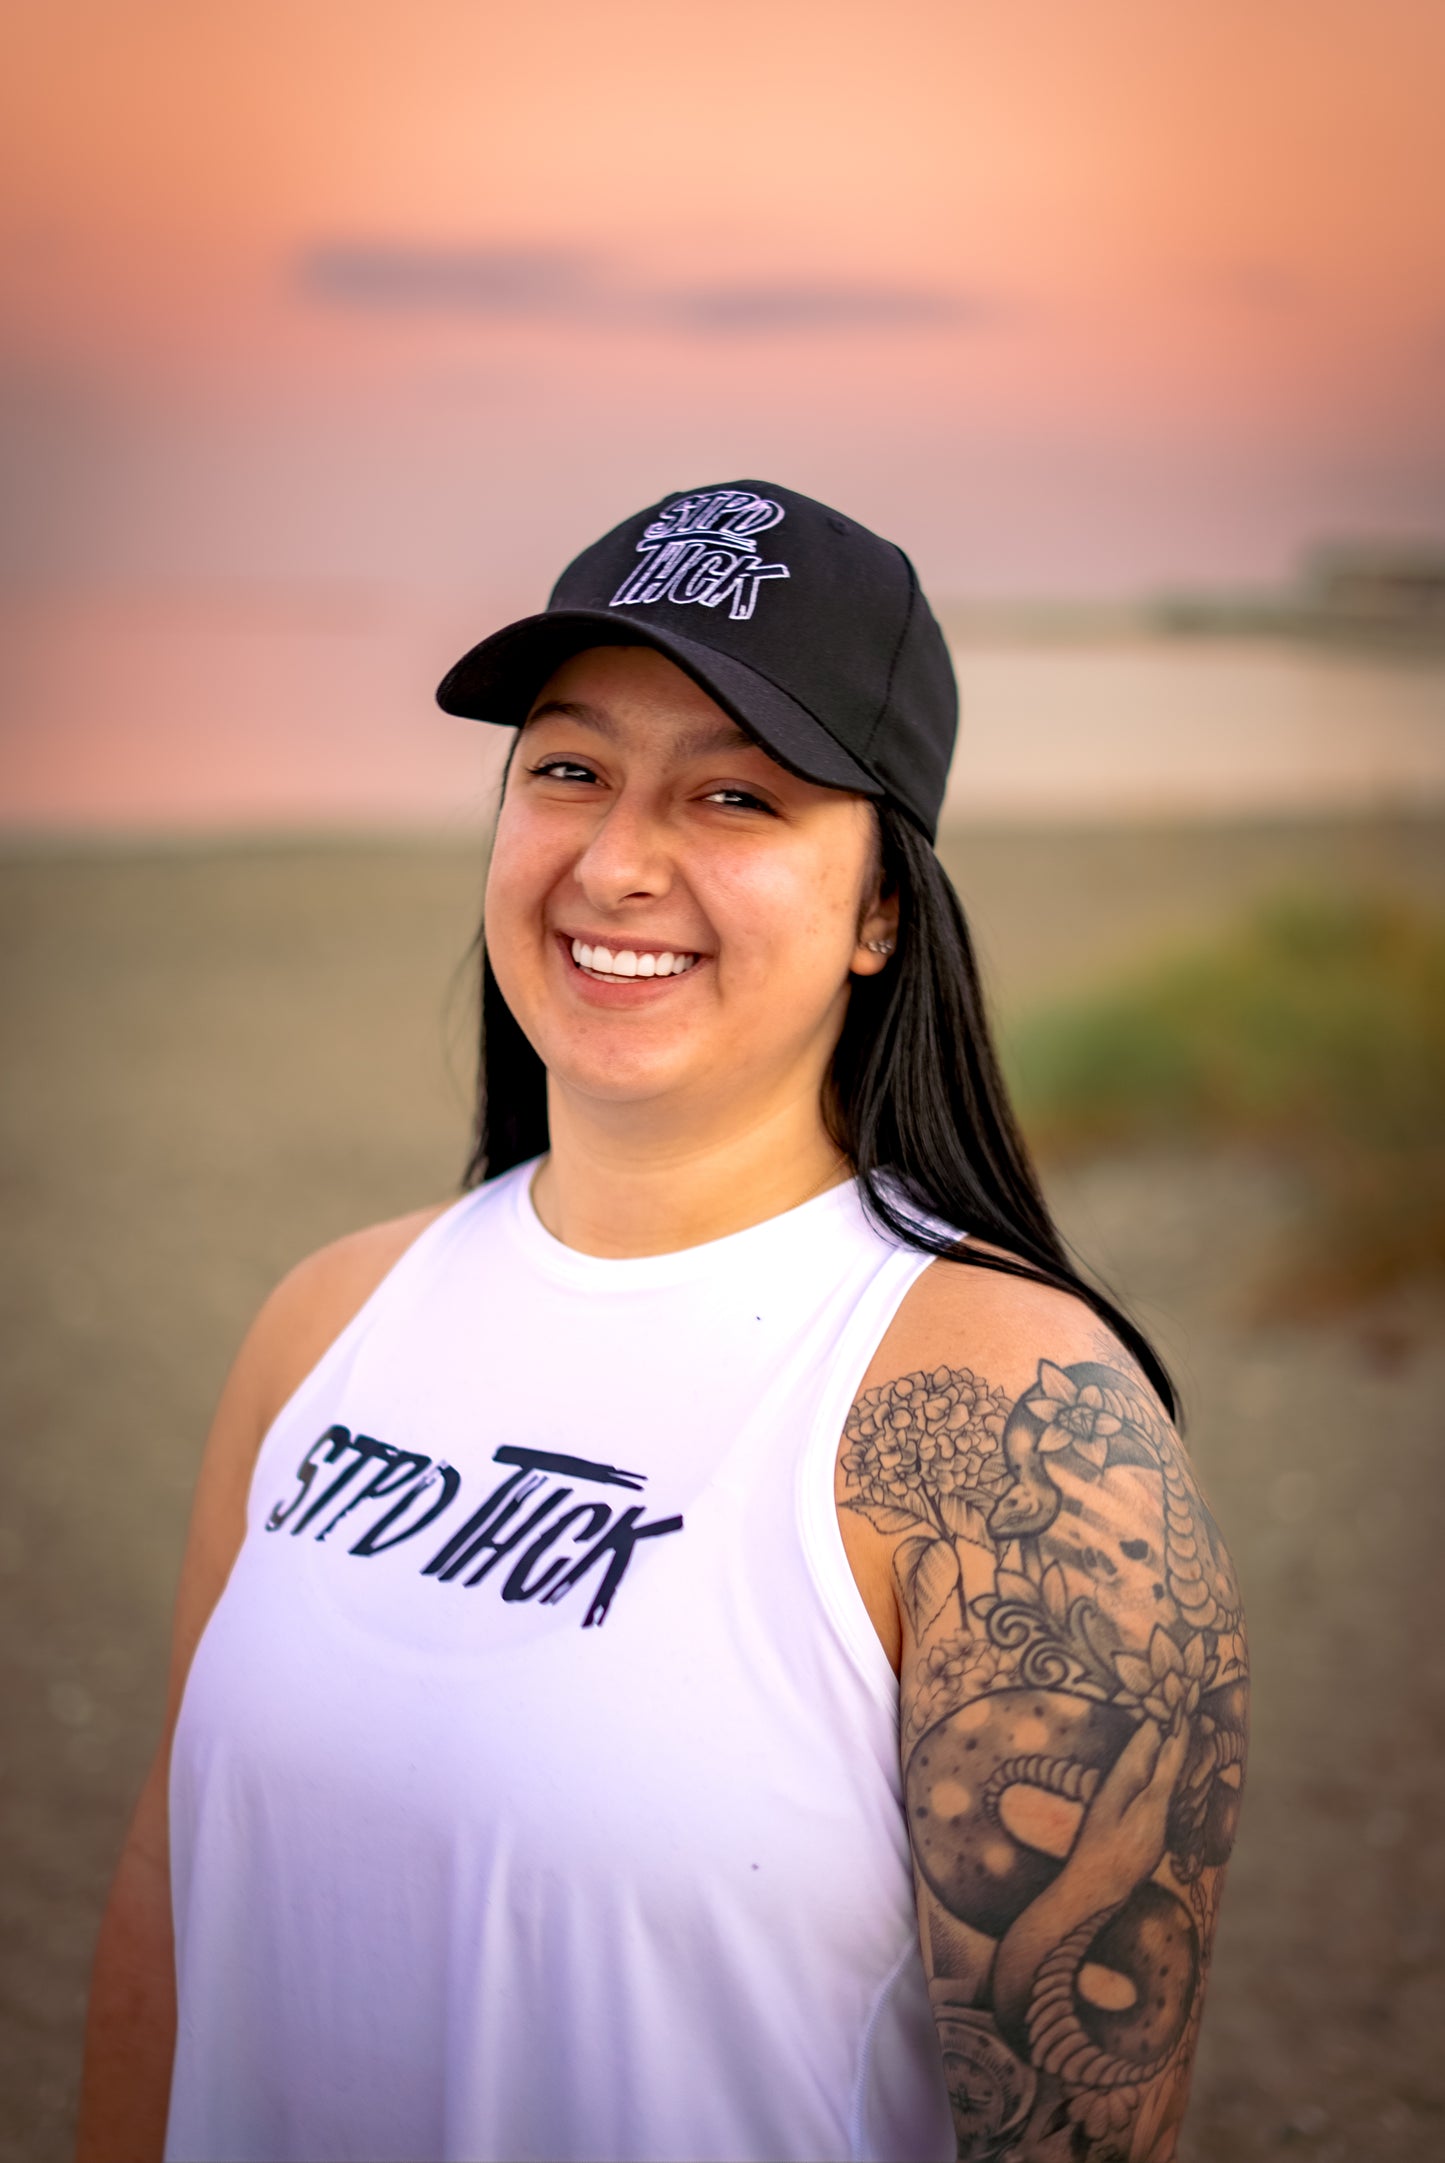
x=915 y=1100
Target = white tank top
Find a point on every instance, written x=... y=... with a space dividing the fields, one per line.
x=535 y=1792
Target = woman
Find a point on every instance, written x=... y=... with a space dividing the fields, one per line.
x=564 y=1560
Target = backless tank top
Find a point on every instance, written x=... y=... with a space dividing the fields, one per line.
x=535 y=1792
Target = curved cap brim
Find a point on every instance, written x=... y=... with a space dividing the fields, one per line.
x=499 y=679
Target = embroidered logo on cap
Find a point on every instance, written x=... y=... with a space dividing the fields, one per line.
x=704 y=548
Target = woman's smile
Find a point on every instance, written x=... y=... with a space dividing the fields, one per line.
x=626 y=971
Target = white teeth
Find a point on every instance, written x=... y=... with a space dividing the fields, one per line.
x=602 y=961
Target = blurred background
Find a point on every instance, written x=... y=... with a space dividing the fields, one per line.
x=328 y=332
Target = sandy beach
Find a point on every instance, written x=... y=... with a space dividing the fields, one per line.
x=221 y=1056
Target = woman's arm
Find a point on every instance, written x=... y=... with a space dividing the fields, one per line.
x=130 y=2027
x=1074 y=1697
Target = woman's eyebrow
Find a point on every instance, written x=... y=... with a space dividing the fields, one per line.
x=573 y=710
x=716 y=736
x=693 y=743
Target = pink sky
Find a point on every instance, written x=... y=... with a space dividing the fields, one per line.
x=414 y=298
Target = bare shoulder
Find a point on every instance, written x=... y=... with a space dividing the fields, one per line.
x=1004 y=1321
x=964 y=1348
x=295 y=1326
x=1000 y=1411
x=1073 y=1684
x=314 y=1302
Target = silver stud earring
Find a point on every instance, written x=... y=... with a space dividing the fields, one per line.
x=880 y=946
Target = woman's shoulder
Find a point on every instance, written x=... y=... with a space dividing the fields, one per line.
x=314 y=1302
x=295 y=1326
x=993 y=1323
x=351 y=1267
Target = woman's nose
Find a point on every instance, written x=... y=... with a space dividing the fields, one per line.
x=627 y=855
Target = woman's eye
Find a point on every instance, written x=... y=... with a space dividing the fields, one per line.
x=561 y=770
x=737 y=800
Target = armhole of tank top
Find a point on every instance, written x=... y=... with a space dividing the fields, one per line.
x=817 y=1508
x=406 y=1265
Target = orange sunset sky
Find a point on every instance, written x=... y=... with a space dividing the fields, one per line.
x=1065 y=294
x=331 y=329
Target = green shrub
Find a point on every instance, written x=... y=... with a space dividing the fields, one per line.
x=1315 y=1027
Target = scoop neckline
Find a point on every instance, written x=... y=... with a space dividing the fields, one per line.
x=627 y=1272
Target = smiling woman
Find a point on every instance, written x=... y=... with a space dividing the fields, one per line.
x=639 y=822
x=743 y=1410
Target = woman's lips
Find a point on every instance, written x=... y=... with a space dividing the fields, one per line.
x=635 y=969
x=607 y=960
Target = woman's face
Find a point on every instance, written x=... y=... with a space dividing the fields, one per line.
x=730 y=899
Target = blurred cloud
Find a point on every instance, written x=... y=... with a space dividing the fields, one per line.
x=483 y=281
x=552 y=284
x=808 y=307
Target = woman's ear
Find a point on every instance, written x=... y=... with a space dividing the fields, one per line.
x=877 y=934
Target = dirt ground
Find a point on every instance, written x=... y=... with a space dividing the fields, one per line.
x=218 y=1058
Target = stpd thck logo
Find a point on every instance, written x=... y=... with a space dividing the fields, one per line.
x=704 y=548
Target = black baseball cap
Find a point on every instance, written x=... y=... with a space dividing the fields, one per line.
x=808 y=629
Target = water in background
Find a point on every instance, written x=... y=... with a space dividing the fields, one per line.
x=280 y=709
x=1195 y=727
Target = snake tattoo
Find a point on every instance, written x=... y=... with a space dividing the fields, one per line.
x=1074 y=1745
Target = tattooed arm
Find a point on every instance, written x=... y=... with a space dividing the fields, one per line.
x=1074 y=1688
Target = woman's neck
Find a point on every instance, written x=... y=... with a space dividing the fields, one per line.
x=626 y=1187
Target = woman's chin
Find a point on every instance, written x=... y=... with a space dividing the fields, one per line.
x=619 y=1082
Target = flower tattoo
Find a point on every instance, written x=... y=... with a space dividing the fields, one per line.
x=1074 y=1418
x=917 y=1442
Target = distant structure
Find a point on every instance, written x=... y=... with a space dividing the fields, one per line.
x=1377 y=593
x=1384 y=587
